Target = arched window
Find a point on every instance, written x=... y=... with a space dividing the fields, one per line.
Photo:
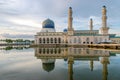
x=75 y=50
x=100 y=39
x=59 y=50
x=55 y=51
x=79 y=40
x=40 y=51
x=47 y=40
x=59 y=40
x=43 y=40
x=75 y=40
x=87 y=51
x=43 y=51
x=51 y=51
x=40 y=41
x=51 y=40
x=105 y=40
x=47 y=51
x=69 y=41
x=96 y=41
x=55 y=40
x=87 y=40
x=79 y=51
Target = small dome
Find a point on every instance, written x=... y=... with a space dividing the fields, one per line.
x=65 y=59
x=48 y=24
x=48 y=66
x=65 y=30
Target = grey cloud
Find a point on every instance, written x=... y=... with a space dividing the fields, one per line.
x=57 y=10
x=81 y=8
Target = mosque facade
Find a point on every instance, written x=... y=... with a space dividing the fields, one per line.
x=70 y=55
x=48 y=34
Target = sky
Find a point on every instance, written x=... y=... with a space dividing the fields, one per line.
x=23 y=18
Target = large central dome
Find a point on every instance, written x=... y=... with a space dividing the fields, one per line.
x=48 y=24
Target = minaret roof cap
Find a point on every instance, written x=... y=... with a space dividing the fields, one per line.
x=70 y=7
x=90 y=18
x=104 y=6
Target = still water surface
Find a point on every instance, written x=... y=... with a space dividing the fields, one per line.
x=59 y=64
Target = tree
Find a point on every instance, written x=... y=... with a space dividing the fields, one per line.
x=9 y=41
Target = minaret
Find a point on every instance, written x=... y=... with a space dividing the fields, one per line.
x=70 y=19
x=104 y=28
x=105 y=62
x=91 y=65
x=70 y=68
x=91 y=24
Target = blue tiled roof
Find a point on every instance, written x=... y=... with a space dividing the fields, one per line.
x=65 y=30
x=48 y=24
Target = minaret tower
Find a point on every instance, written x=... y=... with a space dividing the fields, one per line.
x=70 y=29
x=104 y=28
x=105 y=62
x=70 y=68
x=91 y=65
x=91 y=24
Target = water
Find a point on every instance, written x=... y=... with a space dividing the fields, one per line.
x=20 y=63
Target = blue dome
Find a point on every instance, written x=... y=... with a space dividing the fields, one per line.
x=65 y=30
x=48 y=24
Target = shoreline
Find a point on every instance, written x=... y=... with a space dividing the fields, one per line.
x=101 y=46
x=12 y=44
x=98 y=46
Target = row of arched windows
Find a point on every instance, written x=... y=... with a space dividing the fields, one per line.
x=87 y=40
x=49 y=40
x=78 y=40
x=49 y=51
x=75 y=40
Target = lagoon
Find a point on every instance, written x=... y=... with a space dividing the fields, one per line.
x=63 y=63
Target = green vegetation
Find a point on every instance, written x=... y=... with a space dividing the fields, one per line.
x=9 y=41
x=9 y=48
x=17 y=41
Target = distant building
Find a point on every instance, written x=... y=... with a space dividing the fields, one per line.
x=115 y=39
x=48 y=34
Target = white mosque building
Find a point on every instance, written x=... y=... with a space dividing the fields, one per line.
x=48 y=34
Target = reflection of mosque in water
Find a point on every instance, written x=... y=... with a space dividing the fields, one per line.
x=48 y=56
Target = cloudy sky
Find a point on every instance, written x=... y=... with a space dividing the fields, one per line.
x=23 y=18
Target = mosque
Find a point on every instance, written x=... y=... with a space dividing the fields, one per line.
x=48 y=34
x=48 y=57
